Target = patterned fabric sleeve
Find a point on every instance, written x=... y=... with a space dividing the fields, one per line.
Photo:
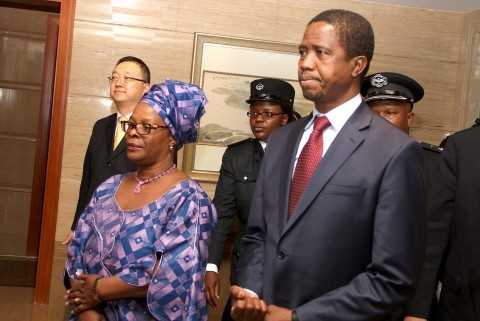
x=74 y=264
x=177 y=291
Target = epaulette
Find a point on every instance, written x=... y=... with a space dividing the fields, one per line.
x=431 y=147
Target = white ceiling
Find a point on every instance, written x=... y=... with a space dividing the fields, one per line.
x=451 y=5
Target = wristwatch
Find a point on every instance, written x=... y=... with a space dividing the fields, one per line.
x=294 y=316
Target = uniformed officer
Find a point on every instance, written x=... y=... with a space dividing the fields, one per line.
x=271 y=106
x=392 y=96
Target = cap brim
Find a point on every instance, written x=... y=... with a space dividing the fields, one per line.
x=249 y=101
x=388 y=97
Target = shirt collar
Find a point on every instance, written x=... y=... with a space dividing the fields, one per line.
x=339 y=115
x=263 y=144
x=127 y=116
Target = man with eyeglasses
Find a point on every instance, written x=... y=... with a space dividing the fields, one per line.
x=271 y=106
x=105 y=155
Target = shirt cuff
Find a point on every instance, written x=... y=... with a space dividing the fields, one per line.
x=251 y=293
x=212 y=267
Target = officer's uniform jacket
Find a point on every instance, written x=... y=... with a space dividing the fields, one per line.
x=233 y=195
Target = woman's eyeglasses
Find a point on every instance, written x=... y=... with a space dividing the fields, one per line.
x=141 y=129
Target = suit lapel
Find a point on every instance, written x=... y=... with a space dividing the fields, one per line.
x=109 y=134
x=120 y=148
x=347 y=141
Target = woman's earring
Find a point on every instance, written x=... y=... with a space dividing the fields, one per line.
x=171 y=147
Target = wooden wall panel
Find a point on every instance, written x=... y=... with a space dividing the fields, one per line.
x=14 y=210
x=22 y=55
x=23 y=21
x=19 y=111
x=16 y=165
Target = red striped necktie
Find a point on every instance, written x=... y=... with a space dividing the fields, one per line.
x=308 y=161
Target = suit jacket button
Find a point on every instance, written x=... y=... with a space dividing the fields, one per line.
x=109 y=164
x=280 y=255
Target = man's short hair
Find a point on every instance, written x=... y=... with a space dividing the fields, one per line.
x=143 y=66
x=354 y=32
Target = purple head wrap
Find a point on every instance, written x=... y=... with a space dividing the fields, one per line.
x=180 y=105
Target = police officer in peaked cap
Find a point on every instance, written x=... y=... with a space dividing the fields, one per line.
x=270 y=107
x=393 y=96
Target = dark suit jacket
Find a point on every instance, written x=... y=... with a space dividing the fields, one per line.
x=354 y=245
x=233 y=196
x=420 y=304
x=455 y=258
x=101 y=162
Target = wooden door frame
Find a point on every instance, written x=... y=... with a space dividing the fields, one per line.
x=43 y=129
x=55 y=151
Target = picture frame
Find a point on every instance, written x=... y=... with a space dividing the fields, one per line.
x=224 y=67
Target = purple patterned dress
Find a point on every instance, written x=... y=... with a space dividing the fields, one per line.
x=170 y=233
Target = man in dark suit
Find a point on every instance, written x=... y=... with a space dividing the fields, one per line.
x=343 y=194
x=105 y=155
x=392 y=96
x=271 y=107
x=455 y=260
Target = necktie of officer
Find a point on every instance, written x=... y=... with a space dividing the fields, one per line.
x=308 y=161
x=119 y=133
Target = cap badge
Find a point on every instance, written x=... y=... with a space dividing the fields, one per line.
x=259 y=86
x=379 y=81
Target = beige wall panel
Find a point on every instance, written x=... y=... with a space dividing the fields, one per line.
x=209 y=188
x=98 y=46
x=69 y=186
x=14 y=212
x=397 y=29
x=83 y=111
x=20 y=57
x=286 y=21
x=210 y=16
x=19 y=111
x=473 y=67
x=150 y=13
x=432 y=136
x=23 y=20
x=250 y=18
x=439 y=81
x=75 y=145
x=16 y=165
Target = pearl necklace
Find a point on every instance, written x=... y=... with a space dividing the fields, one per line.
x=141 y=182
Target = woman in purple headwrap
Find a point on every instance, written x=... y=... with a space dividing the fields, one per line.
x=140 y=246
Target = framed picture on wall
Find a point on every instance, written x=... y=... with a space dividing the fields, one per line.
x=224 y=67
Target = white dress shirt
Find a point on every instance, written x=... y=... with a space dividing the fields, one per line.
x=337 y=117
